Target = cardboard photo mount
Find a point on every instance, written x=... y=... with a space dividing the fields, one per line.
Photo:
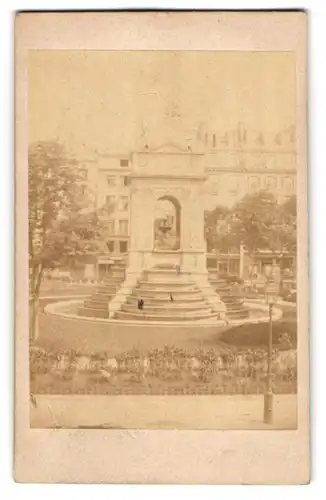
x=159 y=456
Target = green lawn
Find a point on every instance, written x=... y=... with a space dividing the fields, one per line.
x=59 y=334
x=63 y=289
x=256 y=335
x=90 y=337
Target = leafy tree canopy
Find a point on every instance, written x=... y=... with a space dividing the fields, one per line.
x=59 y=225
x=257 y=221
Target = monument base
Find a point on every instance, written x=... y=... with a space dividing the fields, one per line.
x=189 y=266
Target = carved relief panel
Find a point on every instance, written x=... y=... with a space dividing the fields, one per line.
x=168 y=162
x=141 y=219
x=271 y=183
x=254 y=183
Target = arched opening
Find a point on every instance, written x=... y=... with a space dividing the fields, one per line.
x=167 y=224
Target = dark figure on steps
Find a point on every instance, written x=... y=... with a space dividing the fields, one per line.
x=140 y=304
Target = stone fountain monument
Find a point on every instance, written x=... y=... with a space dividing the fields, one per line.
x=173 y=170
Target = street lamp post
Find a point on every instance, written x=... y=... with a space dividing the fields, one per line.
x=268 y=396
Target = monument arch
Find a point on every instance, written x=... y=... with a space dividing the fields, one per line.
x=167 y=223
x=174 y=175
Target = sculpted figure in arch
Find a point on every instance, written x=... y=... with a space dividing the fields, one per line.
x=166 y=225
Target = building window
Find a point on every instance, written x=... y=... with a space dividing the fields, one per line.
x=214 y=188
x=82 y=172
x=110 y=245
x=234 y=266
x=111 y=226
x=124 y=163
x=214 y=141
x=223 y=267
x=123 y=246
x=124 y=203
x=270 y=183
x=110 y=200
x=234 y=184
x=126 y=181
x=254 y=184
x=123 y=227
x=270 y=162
x=288 y=185
x=112 y=181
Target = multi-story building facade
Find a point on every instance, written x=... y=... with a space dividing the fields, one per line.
x=237 y=163
x=242 y=162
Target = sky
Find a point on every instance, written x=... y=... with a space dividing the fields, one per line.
x=105 y=100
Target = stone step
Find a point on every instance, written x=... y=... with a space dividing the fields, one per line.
x=219 y=282
x=165 y=275
x=226 y=288
x=165 y=271
x=234 y=309
x=168 y=309
x=155 y=287
x=165 y=294
x=111 y=283
x=96 y=305
x=104 y=297
x=108 y=291
x=232 y=303
x=115 y=276
x=186 y=285
x=238 y=314
x=142 y=316
x=161 y=300
x=230 y=298
x=220 y=291
x=191 y=289
x=93 y=313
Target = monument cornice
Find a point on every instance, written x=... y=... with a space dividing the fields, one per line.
x=211 y=152
x=124 y=170
x=174 y=153
x=136 y=175
x=235 y=170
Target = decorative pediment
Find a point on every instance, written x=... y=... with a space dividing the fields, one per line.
x=169 y=147
x=170 y=136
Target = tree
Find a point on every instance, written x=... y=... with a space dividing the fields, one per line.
x=288 y=224
x=56 y=215
x=285 y=241
x=259 y=222
x=217 y=230
x=253 y=221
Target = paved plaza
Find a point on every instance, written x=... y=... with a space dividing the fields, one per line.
x=163 y=412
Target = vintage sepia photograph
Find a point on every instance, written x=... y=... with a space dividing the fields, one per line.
x=161 y=248
x=162 y=233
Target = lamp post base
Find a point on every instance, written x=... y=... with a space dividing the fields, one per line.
x=268 y=408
